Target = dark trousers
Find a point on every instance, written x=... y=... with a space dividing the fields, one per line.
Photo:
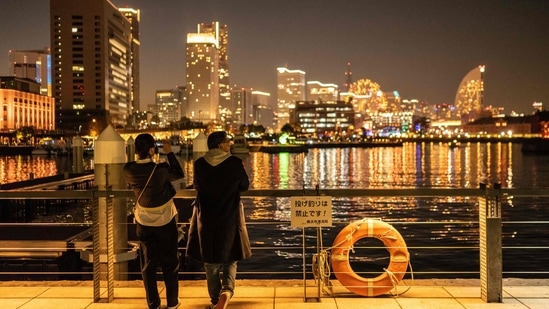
x=159 y=246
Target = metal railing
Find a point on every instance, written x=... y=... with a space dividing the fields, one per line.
x=31 y=254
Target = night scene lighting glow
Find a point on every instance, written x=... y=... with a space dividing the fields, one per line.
x=422 y=49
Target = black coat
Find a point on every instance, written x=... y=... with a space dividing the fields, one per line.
x=160 y=188
x=218 y=230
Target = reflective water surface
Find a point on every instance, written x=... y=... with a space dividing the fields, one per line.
x=427 y=224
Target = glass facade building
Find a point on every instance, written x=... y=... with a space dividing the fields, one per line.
x=32 y=64
x=92 y=62
x=291 y=87
x=470 y=95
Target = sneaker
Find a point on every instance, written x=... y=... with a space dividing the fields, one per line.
x=223 y=300
x=176 y=306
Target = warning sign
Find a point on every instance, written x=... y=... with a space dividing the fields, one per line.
x=311 y=211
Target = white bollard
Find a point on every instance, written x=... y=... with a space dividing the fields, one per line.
x=110 y=157
x=200 y=145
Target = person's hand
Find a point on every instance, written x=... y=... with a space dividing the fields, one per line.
x=167 y=147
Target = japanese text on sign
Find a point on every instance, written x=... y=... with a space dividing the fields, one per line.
x=311 y=211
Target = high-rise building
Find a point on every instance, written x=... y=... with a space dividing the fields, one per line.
x=168 y=104
x=470 y=95
x=291 y=88
x=91 y=46
x=264 y=115
x=134 y=16
x=242 y=106
x=202 y=63
x=221 y=35
x=262 y=98
x=348 y=78
x=263 y=106
x=32 y=64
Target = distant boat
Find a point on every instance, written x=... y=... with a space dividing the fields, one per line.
x=278 y=148
x=49 y=146
x=240 y=145
x=361 y=144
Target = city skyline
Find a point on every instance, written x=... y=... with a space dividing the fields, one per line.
x=422 y=48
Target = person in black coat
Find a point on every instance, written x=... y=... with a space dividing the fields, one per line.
x=155 y=214
x=218 y=234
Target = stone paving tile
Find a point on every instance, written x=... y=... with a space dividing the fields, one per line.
x=275 y=295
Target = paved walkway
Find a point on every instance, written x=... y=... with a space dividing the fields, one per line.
x=278 y=294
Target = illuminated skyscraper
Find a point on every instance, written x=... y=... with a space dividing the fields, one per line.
x=134 y=16
x=202 y=58
x=348 y=78
x=91 y=46
x=470 y=95
x=291 y=88
x=263 y=107
x=221 y=35
x=242 y=106
x=32 y=64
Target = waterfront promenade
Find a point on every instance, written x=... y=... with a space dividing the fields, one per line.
x=278 y=294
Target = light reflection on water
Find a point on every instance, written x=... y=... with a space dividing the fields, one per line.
x=411 y=166
x=423 y=222
x=421 y=165
x=21 y=168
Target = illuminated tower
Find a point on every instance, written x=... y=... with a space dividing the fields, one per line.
x=291 y=88
x=202 y=76
x=92 y=63
x=348 y=78
x=221 y=35
x=470 y=95
x=134 y=16
x=32 y=64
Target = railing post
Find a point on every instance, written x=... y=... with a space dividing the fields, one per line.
x=490 y=245
x=110 y=157
x=77 y=155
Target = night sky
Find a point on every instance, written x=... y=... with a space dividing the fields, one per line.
x=420 y=48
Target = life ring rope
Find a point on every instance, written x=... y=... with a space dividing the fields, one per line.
x=321 y=272
x=395 y=281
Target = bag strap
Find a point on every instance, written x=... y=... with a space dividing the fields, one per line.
x=146 y=184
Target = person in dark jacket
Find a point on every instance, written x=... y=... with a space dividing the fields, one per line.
x=218 y=234
x=155 y=214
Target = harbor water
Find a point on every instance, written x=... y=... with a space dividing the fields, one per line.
x=441 y=232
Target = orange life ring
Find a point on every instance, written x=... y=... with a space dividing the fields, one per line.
x=394 y=243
